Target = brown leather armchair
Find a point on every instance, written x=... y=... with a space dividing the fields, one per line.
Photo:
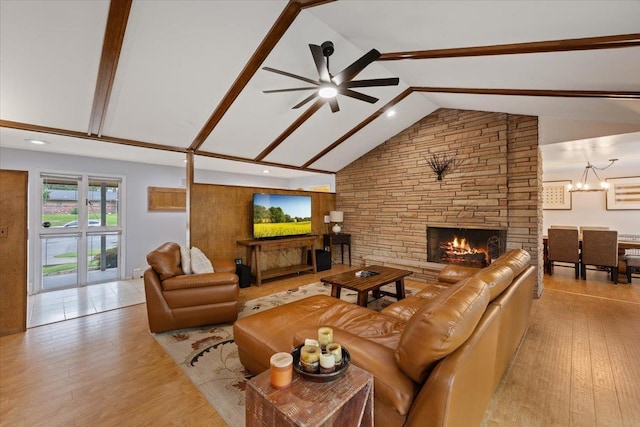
x=176 y=300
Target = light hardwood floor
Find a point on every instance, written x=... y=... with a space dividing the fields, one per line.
x=578 y=365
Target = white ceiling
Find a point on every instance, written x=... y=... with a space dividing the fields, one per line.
x=180 y=58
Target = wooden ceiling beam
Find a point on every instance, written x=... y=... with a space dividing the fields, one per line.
x=475 y=91
x=111 y=49
x=292 y=128
x=262 y=163
x=272 y=38
x=607 y=94
x=84 y=135
x=360 y=126
x=566 y=45
x=132 y=143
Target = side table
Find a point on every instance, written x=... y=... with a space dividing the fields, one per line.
x=345 y=401
x=342 y=239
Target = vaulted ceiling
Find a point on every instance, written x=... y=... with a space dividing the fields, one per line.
x=153 y=80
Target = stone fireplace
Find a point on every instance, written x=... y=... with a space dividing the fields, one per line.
x=472 y=247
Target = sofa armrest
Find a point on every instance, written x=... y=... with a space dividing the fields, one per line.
x=158 y=311
x=224 y=265
x=391 y=385
x=187 y=281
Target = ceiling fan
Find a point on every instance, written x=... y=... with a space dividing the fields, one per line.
x=329 y=86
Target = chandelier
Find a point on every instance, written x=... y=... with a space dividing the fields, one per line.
x=583 y=184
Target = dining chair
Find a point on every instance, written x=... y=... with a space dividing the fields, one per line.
x=563 y=246
x=632 y=261
x=591 y=227
x=600 y=248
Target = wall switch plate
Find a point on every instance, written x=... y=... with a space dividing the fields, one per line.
x=4 y=230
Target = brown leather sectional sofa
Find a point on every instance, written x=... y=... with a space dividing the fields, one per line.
x=437 y=357
x=176 y=300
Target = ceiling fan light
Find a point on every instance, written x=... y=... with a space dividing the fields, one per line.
x=328 y=92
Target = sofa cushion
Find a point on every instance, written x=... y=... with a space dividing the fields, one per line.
x=185 y=259
x=452 y=273
x=165 y=260
x=497 y=276
x=200 y=264
x=517 y=260
x=440 y=326
x=405 y=308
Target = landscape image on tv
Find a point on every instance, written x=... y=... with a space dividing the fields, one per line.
x=279 y=215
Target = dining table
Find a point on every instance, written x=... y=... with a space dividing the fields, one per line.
x=624 y=243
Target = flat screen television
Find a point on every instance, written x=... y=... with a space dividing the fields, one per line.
x=281 y=215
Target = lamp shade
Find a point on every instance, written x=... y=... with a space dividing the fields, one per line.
x=336 y=216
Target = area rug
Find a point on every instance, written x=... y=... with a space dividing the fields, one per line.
x=209 y=355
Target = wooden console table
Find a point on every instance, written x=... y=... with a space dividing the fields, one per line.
x=257 y=246
x=345 y=401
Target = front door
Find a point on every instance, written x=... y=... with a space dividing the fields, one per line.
x=81 y=230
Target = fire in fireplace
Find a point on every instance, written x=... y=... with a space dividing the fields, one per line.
x=473 y=247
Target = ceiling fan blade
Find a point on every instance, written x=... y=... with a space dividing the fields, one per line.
x=321 y=64
x=357 y=95
x=352 y=70
x=293 y=89
x=371 y=82
x=304 y=101
x=293 y=76
x=333 y=102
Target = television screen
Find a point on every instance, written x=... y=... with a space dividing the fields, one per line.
x=280 y=215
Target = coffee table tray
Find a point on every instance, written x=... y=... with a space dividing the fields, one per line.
x=321 y=378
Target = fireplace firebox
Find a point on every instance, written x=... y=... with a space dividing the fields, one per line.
x=472 y=247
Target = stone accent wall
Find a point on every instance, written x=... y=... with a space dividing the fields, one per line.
x=390 y=195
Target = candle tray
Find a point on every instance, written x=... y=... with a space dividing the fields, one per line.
x=321 y=378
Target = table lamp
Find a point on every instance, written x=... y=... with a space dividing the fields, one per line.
x=336 y=217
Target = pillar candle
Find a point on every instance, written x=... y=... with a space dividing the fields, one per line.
x=336 y=351
x=310 y=358
x=327 y=363
x=281 y=370
x=325 y=336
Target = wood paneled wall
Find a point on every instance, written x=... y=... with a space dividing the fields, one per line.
x=222 y=214
x=13 y=251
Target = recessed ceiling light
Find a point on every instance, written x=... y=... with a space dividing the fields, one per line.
x=37 y=141
x=391 y=113
x=265 y=171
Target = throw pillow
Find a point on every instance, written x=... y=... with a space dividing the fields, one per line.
x=199 y=262
x=185 y=256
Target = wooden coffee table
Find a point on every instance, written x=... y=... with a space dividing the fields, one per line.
x=363 y=285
